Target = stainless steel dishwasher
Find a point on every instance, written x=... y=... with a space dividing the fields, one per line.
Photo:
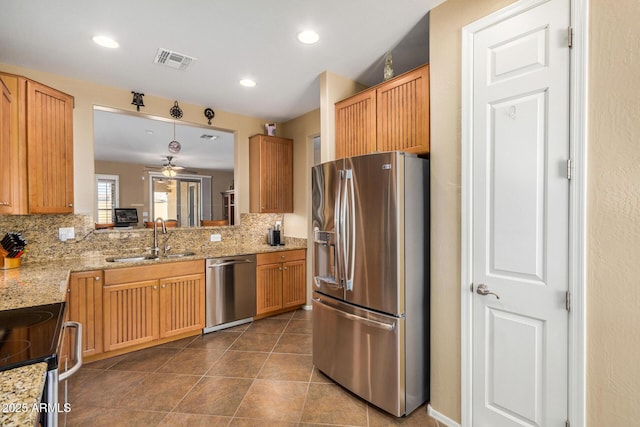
x=230 y=291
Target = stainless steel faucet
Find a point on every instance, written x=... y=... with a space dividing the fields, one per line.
x=156 y=248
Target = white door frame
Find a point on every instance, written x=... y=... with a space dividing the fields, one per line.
x=577 y=207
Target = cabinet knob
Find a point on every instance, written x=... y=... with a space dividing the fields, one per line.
x=97 y=278
x=280 y=268
x=155 y=286
x=70 y=205
x=282 y=256
x=164 y=286
x=286 y=268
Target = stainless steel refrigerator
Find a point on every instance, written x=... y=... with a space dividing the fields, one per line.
x=371 y=277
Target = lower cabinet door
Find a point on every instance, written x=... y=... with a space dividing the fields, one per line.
x=293 y=283
x=130 y=314
x=84 y=305
x=268 y=288
x=181 y=304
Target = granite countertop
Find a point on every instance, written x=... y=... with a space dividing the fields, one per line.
x=20 y=393
x=46 y=283
x=38 y=283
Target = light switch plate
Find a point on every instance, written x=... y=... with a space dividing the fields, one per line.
x=216 y=238
x=66 y=233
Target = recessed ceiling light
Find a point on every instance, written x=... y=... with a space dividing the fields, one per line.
x=105 y=41
x=308 y=37
x=149 y=132
x=247 y=83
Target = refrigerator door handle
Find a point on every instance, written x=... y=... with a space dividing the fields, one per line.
x=350 y=220
x=369 y=322
x=339 y=222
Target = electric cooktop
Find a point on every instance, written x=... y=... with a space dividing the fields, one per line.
x=30 y=335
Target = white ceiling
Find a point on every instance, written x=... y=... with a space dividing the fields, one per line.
x=129 y=138
x=231 y=40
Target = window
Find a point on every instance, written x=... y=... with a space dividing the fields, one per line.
x=107 y=192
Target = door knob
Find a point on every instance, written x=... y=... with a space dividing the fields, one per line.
x=483 y=290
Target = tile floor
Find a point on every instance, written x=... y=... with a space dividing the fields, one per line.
x=258 y=374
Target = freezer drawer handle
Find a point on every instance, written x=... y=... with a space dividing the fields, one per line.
x=374 y=323
x=232 y=262
x=78 y=350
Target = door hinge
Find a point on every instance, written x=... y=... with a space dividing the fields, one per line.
x=570 y=37
x=569 y=166
x=568 y=301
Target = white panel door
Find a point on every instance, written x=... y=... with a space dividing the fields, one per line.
x=520 y=219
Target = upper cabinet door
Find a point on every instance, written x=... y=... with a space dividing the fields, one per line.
x=271 y=174
x=49 y=149
x=6 y=172
x=403 y=113
x=356 y=125
x=392 y=116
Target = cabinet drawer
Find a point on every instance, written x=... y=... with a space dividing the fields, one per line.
x=152 y=272
x=281 y=256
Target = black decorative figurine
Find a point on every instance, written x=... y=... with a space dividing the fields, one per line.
x=137 y=100
x=209 y=114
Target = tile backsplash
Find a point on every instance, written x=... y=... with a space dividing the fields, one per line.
x=41 y=234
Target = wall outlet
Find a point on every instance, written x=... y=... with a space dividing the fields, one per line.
x=216 y=238
x=66 y=233
x=278 y=225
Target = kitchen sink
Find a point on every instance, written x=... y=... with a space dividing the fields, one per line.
x=178 y=254
x=134 y=258
x=131 y=258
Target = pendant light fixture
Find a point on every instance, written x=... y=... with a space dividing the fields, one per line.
x=174 y=146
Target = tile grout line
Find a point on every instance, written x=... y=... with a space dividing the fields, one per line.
x=233 y=417
x=205 y=372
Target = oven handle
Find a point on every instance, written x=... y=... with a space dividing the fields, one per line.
x=78 y=350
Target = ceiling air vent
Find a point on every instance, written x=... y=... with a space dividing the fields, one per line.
x=172 y=59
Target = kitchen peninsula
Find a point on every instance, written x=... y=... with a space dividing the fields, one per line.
x=45 y=281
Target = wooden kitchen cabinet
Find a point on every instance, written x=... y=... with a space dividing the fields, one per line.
x=146 y=303
x=182 y=305
x=7 y=151
x=42 y=148
x=280 y=281
x=270 y=174
x=392 y=116
x=356 y=125
x=130 y=314
x=84 y=305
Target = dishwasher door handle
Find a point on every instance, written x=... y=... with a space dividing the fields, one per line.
x=78 y=350
x=231 y=262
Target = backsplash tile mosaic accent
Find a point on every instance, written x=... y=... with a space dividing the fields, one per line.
x=41 y=233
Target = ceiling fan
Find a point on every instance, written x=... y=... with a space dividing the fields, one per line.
x=169 y=167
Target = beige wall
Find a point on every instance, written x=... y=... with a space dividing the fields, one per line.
x=301 y=129
x=613 y=245
x=446 y=22
x=613 y=215
x=88 y=94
